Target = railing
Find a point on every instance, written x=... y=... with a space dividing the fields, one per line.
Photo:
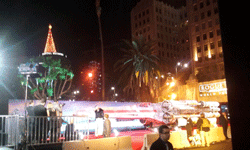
x=9 y=131
x=15 y=131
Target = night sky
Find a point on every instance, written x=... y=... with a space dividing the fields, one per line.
x=24 y=29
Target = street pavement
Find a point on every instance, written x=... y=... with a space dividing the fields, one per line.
x=224 y=145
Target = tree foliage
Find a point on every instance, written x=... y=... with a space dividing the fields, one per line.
x=138 y=66
x=52 y=82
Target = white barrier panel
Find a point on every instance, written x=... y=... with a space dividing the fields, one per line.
x=112 y=143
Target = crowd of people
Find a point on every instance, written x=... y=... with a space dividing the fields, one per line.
x=49 y=119
x=44 y=122
x=203 y=126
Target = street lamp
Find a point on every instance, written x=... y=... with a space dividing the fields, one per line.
x=185 y=65
x=90 y=74
x=113 y=89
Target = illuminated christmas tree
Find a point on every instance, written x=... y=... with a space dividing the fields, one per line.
x=50 y=45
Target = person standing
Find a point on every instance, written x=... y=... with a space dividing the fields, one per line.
x=162 y=142
x=31 y=121
x=99 y=115
x=224 y=123
x=189 y=126
x=53 y=123
x=203 y=124
x=41 y=121
x=107 y=126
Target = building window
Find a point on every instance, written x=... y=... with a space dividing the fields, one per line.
x=209 y=13
x=201 y=5
x=148 y=37
x=204 y=36
x=197 y=29
x=211 y=34
x=203 y=26
x=208 y=2
x=198 y=49
x=202 y=15
x=147 y=11
x=219 y=43
x=206 y=58
x=147 y=19
x=205 y=48
x=218 y=32
x=217 y=21
x=198 y=39
x=143 y=13
x=195 y=7
x=195 y=18
x=136 y=25
x=210 y=24
x=156 y=9
x=200 y=59
x=139 y=15
x=212 y=45
x=213 y=56
x=221 y=54
x=216 y=10
x=135 y=17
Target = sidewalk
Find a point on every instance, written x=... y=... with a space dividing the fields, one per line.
x=224 y=145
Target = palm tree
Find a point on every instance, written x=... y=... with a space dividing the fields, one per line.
x=138 y=67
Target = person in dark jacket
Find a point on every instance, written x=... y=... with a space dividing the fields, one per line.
x=31 y=121
x=189 y=126
x=41 y=122
x=224 y=123
x=162 y=142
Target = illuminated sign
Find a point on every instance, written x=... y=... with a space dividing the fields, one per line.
x=213 y=89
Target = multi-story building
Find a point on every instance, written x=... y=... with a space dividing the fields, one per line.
x=95 y=80
x=205 y=39
x=155 y=20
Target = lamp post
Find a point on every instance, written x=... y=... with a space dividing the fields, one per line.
x=113 y=89
x=185 y=65
x=159 y=84
x=98 y=11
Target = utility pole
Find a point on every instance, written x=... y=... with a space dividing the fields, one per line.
x=98 y=11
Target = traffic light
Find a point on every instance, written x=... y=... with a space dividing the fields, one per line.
x=90 y=75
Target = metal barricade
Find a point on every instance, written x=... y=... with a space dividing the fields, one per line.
x=45 y=130
x=9 y=131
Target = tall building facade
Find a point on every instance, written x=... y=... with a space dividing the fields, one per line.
x=205 y=39
x=94 y=81
x=158 y=21
x=188 y=34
